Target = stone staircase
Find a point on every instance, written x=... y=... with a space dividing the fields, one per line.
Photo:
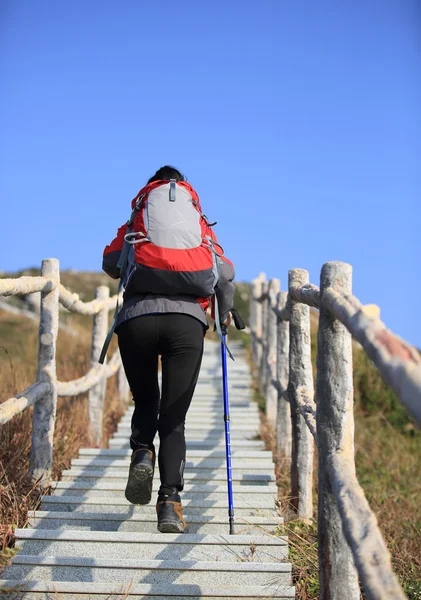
x=87 y=542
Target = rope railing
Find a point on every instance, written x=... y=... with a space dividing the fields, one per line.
x=350 y=544
x=44 y=392
x=72 y=302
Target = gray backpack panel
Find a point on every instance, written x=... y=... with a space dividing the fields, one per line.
x=172 y=224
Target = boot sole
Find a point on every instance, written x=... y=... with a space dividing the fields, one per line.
x=139 y=485
x=171 y=527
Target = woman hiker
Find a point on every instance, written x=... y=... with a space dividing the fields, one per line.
x=173 y=265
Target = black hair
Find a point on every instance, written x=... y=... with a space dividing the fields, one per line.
x=166 y=173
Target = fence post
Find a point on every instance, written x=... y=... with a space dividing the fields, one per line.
x=271 y=391
x=335 y=431
x=283 y=417
x=97 y=392
x=253 y=318
x=44 y=415
x=264 y=337
x=122 y=386
x=257 y=321
x=300 y=377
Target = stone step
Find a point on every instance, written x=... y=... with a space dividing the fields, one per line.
x=206 y=429
x=209 y=422
x=214 y=402
x=217 y=475
x=195 y=474
x=257 y=506
x=214 y=396
x=124 y=545
x=214 y=408
x=211 y=378
x=191 y=453
x=193 y=444
x=264 y=500
x=146 y=522
x=251 y=416
x=194 y=464
x=200 y=422
x=213 y=435
x=73 y=488
x=203 y=444
x=37 y=590
x=236 y=381
x=203 y=423
x=160 y=572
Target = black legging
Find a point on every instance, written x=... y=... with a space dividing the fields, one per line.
x=178 y=338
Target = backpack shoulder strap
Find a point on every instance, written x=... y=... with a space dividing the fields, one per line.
x=122 y=265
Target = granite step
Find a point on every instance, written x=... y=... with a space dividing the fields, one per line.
x=157 y=572
x=257 y=506
x=205 y=425
x=191 y=453
x=124 y=545
x=202 y=444
x=263 y=500
x=40 y=590
x=204 y=475
x=146 y=522
x=193 y=464
x=209 y=489
x=216 y=434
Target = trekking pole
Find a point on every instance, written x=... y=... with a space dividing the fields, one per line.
x=227 y=431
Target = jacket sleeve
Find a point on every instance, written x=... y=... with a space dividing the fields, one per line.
x=112 y=254
x=225 y=288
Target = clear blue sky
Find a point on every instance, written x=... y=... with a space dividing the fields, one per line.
x=298 y=123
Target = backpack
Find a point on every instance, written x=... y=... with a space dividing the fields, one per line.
x=169 y=245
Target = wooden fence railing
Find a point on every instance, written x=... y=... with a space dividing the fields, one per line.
x=44 y=392
x=350 y=544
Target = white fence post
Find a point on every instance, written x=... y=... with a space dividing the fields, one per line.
x=264 y=337
x=43 y=419
x=122 y=386
x=97 y=392
x=257 y=347
x=271 y=391
x=300 y=378
x=283 y=417
x=335 y=431
x=253 y=317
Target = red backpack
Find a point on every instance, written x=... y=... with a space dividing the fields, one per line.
x=172 y=249
x=167 y=246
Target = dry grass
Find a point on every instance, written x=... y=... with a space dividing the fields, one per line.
x=18 y=351
x=389 y=469
x=302 y=536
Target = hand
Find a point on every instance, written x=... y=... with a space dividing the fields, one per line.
x=227 y=321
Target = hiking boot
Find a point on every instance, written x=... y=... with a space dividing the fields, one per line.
x=170 y=514
x=139 y=483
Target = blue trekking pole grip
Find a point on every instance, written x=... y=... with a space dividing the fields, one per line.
x=227 y=431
